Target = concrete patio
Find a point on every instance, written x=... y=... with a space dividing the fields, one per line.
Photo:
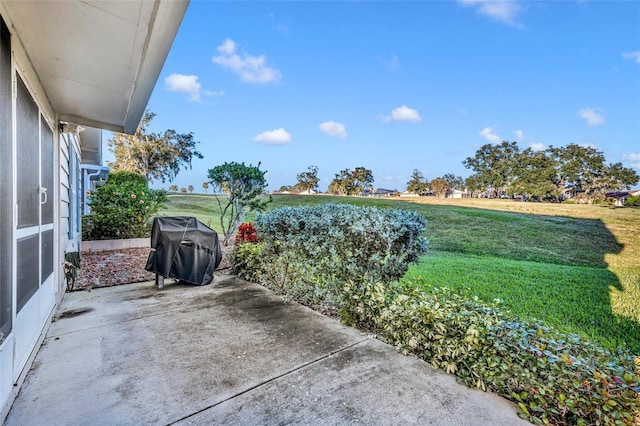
x=230 y=353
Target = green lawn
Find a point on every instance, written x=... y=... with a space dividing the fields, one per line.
x=574 y=266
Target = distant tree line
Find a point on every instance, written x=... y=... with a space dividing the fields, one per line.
x=552 y=174
x=439 y=186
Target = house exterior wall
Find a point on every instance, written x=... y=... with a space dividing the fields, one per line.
x=22 y=335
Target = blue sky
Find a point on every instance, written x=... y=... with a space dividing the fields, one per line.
x=396 y=86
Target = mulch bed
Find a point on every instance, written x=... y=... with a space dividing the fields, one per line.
x=117 y=267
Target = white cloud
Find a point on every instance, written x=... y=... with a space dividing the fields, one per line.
x=633 y=159
x=537 y=146
x=519 y=135
x=250 y=69
x=184 y=83
x=593 y=116
x=403 y=113
x=505 y=11
x=489 y=134
x=635 y=56
x=273 y=137
x=333 y=128
x=214 y=92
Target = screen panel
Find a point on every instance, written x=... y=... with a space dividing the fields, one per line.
x=27 y=278
x=46 y=170
x=47 y=255
x=6 y=185
x=27 y=148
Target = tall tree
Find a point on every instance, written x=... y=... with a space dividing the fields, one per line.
x=417 y=184
x=577 y=165
x=584 y=168
x=205 y=186
x=440 y=186
x=190 y=188
x=493 y=165
x=534 y=176
x=363 y=180
x=474 y=186
x=154 y=155
x=243 y=186
x=343 y=183
x=308 y=181
x=455 y=182
x=355 y=182
x=621 y=177
x=173 y=188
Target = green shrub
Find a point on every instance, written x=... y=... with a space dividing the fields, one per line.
x=310 y=252
x=245 y=261
x=633 y=201
x=554 y=378
x=122 y=208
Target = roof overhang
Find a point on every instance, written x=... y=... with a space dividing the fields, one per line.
x=97 y=60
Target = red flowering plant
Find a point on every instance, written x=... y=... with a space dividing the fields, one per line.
x=245 y=257
x=247 y=233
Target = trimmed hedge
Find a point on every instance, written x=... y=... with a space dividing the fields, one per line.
x=310 y=252
x=554 y=378
x=345 y=259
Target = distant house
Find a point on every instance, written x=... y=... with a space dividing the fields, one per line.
x=67 y=70
x=570 y=192
x=456 y=193
x=407 y=194
x=92 y=171
x=382 y=192
x=621 y=196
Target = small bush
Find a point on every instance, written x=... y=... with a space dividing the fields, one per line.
x=245 y=260
x=122 y=208
x=247 y=233
x=312 y=251
x=633 y=201
x=554 y=378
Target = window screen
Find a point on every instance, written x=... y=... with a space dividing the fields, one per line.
x=47 y=255
x=6 y=185
x=27 y=279
x=27 y=138
x=46 y=168
x=74 y=190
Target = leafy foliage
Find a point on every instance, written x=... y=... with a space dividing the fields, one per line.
x=308 y=252
x=455 y=182
x=72 y=262
x=633 y=201
x=308 y=181
x=535 y=174
x=554 y=378
x=122 y=208
x=417 y=184
x=153 y=155
x=355 y=182
x=547 y=174
x=439 y=186
x=243 y=186
x=247 y=233
x=493 y=165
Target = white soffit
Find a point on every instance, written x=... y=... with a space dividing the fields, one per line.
x=97 y=60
